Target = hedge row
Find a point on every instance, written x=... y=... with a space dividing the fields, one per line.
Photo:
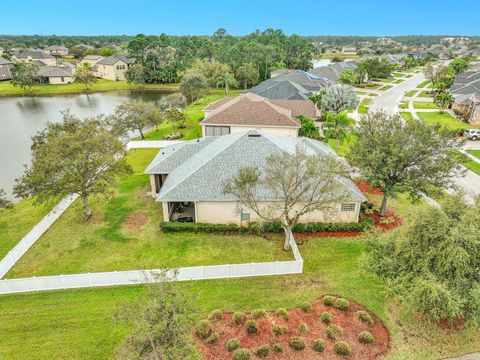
x=258 y=228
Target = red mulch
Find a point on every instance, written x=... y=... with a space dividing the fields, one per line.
x=365 y=187
x=316 y=329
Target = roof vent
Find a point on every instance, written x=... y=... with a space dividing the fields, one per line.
x=254 y=135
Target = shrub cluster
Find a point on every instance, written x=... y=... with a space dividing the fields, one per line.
x=365 y=317
x=241 y=354
x=306 y=306
x=262 y=350
x=173 y=136
x=277 y=348
x=259 y=313
x=342 y=304
x=318 y=345
x=365 y=337
x=213 y=339
x=282 y=313
x=232 y=344
x=342 y=348
x=302 y=327
x=252 y=327
x=259 y=228
x=326 y=317
x=203 y=329
x=238 y=317
x=216 y=314
x=297 y=343
x=279 y=330
x=333 y=331
x=328 y=300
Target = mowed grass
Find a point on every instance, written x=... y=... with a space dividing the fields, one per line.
x=126 y=227
x=424 y=105
x=444 y=119
x=7 y=89
x=194 y=114
x=363 y=106
x=407 y=115
x=423 y=84
x=78 y=324
x=17 y=221
x=411 y=93
x=471 y=164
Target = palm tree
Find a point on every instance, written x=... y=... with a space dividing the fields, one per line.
x=336 y=127
x=227 y=80
x=444 y=100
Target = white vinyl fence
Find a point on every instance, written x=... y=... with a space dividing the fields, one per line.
x=57 y=282
x=38 y=230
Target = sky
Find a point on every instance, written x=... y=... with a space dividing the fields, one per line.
x=190 y=17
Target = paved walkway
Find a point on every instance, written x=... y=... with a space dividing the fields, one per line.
x=471 y=356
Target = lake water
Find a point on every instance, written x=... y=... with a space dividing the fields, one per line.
x=23 y=117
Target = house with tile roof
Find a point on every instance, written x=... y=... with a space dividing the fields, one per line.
x=114 y=67
x=249 y=111
x=188 y=178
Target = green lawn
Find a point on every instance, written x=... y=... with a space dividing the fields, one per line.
x=403 y=105
x=444 y=119
x=195 y=114
x=344 y=146
x=338 y=55
x=78 y=324
x=386 y=87
x=424 y=105
x=398 y=81
x=475 y=153
x=411 y=93
x=398 y=74
x=126 y=227
x=426 y=94
x=384 y=80
x=471 y=164
x=369 y=86
x=7 y=89
x=409 y=76
x=407 y=115
x=363 y=106
x=423 y=84
x=17 y=221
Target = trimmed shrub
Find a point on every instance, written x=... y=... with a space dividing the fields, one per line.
x=213 y=339
x=333 y=331
x=282 y=313
x=328 y=300
x=262 y=350
x=238 y=317
x=342 y=348
x=365 y=317
x=297 y=343
x=326 y=317
x=279 y=330
x=203 y=328
x=365 y=337
x=302 y=327
x=232 y=344
x=216 y=314
x=252 y=327
x=277 y=348
x=318 y=345
x=241 y=354
x=342 y=304
x=259 y=313
x=306 y=306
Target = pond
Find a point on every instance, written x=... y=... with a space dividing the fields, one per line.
x=23 y=117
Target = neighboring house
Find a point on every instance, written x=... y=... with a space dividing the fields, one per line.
x=2 y=50
x=249 y=111
x=56 y=51
x=290 y=85
x=332 y=72
x=188 y=178
x=466 y=93
x=62 y=73
x=90 y=59
x=34 y=56
x=5 y=69
x=114 y=67
x=349 y=49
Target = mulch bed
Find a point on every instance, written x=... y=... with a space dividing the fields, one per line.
x=135 y=222
x=348 y=320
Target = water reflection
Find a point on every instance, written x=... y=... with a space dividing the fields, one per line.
x=23 y=117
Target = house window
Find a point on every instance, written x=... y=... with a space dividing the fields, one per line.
x=216 y=130
x=62 y=79
x=348 y=207
x=244 y=216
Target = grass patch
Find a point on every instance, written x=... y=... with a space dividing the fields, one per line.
x=407 y=115
x=471 y=164
x=475 y=153
x=411 y=93
x=423 y=84
x=385 y=88
x=125 y=232
x=403 y=105
x=425 y=94
x=409 y=76
x=424 y=105
x=363 y=106
x=369 y=86
x=444 y=119
x=385 y=80
x=344 y=146
x=194 y=114
x=360 y=93
x=398 y=81
x=7 y=89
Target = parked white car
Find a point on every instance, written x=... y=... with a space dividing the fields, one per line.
x=472 y=134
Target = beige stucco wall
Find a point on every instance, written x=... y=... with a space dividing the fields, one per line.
x=275 y=130
x=58 y=80
x=223 y=212
x=110 y=72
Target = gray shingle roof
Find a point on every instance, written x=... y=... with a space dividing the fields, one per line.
x=54 y=71
x=56 y=48
x=32 y=54
x=4 y=61
x=197 y=169
x=466 y=85
x=110 y=60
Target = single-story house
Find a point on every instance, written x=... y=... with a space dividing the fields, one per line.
x=466 y=94
x=5 y=69
x=290 y=85
x=249 y=111
x=61 y=73
x=34 y=56
x=114 y=67
x=56 y=50
x=188 y=178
